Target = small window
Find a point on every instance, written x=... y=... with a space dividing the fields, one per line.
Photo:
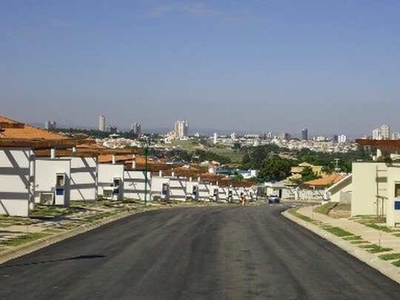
x=116 y=182
x=60 y=180
x=397 y=190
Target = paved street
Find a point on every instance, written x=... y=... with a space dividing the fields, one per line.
x=224 y=252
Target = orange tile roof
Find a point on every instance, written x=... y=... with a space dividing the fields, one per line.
x=325 y=181
x=12 y=129
x=107 y=158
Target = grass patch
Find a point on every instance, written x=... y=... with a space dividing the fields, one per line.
x=52 y=230
x=396 y=263
x=23 y=239
x=390 y=256
x=98 y=217
x=8 y=221
x=372 y=248
x=293 y=211
x=379 y=227
x=352 y=238
x=359 y=242
x=52 y=211
x=396 y=234
x=338 y=231
x=326 y=208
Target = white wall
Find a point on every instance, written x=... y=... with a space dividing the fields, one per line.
x=341 y=190
x=16 y=181
x=236 y=194
x=223 y=193
x=178 y=188
x=83 y=184
x=392 y=215
x=134 y=185
x=365 y=188
x=107 y=173
x=214 y=188
x=156 y=187
x=204 y=191
x=46 y=170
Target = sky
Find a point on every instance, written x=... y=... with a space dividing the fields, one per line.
x=330 y=66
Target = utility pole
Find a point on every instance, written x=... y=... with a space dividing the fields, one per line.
x=337 y=168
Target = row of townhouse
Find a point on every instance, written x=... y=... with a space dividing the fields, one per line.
x=26 y=180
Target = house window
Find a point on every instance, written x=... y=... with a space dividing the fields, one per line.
x=397 y=190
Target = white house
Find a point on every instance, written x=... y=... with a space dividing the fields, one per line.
x=160 y=188
x=52 y=181
x=16 y=181
x=177 y=186
x=83 y=181
x=111 y=181
x=135 y=186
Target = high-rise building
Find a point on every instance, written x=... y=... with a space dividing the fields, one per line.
x=136 y=129
x=50 y=125
x=102 y=123
x=381 y=133
x=335 y=138
x=385 y=132
x=395 y=136
x=376 y=134
x=215 y=138
x=304 y=134
x=342 y=138
x=233 y=136
x=181 y=129
x=285 y=136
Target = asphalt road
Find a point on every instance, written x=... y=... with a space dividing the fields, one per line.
x=195 y=253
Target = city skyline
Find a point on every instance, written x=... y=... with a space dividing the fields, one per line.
x=328 y=66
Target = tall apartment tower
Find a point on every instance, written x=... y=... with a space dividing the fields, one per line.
x=102 y=123
x=50 y=125
x=381 y=133
x=181 y=129
x=136 y=128
x=304 y=134
x=385 y=132
x=215 y=138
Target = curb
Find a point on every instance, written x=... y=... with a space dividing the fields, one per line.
x=44 y=242
x=384 y=267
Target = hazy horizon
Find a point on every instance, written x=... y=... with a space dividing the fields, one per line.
x=248 y=66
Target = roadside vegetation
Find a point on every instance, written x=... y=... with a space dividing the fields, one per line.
x=325 y=208
x=23 y=239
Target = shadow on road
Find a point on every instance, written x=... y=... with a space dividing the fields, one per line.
x=79 y=257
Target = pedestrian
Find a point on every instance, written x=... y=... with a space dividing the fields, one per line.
x=243 y=199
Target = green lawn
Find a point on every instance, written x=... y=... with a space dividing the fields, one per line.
x=390 y=256
x=23 y=239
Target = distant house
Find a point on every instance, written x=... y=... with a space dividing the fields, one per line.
x=324 y=182
x=297 y=170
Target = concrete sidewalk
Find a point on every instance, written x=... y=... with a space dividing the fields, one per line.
x=374 y=236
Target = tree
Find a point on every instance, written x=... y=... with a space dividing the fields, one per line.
x=307 y=174
x=275 y=168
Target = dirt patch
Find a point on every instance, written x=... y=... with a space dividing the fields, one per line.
x=342 y=210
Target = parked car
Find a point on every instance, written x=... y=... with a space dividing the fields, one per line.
x=274 y=199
